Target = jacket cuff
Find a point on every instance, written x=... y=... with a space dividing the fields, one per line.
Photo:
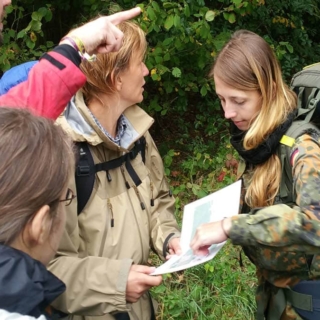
x=239 y=232
x=69 y=52
x=121 y=285
x=166 y=242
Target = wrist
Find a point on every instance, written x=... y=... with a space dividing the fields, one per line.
x=76 y=43
x=226 y=226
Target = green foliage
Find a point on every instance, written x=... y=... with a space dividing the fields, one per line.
x=20 y=45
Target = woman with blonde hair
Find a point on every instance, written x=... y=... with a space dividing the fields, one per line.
x=280 y=238
x=36 y=160
x=103 y=257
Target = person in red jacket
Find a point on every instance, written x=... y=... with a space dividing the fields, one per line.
x=46 y=92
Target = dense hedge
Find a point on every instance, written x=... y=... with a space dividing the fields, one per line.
x=183 y=35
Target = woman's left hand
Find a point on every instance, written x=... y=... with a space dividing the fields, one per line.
x=174 y=247
x=208 y=234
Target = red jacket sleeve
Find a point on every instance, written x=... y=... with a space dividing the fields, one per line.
x=51 y=84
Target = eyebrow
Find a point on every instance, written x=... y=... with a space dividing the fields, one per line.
x=232 y=97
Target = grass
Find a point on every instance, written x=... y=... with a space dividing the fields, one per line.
x=218 y=289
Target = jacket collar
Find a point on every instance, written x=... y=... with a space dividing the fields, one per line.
x=27 y=286
x=78 y=122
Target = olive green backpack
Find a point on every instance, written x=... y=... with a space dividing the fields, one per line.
x=306 y=84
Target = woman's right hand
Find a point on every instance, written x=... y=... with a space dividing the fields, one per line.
x=102 y=35
x=208 y=234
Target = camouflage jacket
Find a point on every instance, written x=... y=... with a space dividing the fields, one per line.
x=284 y=242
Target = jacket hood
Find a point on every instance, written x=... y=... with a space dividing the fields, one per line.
x=78 y=122
x=27 y=287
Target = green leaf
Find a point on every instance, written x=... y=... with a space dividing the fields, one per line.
x=21 y=34
x=42 y=11
x=9 y=9
x=48 y=16
x=166 y=57
x=36 y=16
x=203 y=90
x=168 y=5
x=210 y=15
x=169 y=22
x=167 y=41
x=158 y=59
x=36 y=25
x=155 y=6
x=177 y=21
x=237 y=2
x=11 y=33
x=187 y=10
x=176 y=72
x=232 y=18
x=151 y=14
x=30 y=44
x=156 y=77
x=289 y=47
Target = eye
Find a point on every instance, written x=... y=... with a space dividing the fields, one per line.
x=239 y=102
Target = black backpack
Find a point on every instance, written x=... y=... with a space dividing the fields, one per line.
x=86 y=169
x=306 y=85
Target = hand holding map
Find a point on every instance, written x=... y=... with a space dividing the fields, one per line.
x=214 y=207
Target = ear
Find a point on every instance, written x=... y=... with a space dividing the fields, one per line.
x=118 y=82
x=40 y=226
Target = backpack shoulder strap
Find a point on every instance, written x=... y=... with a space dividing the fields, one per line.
x=84 y=175
x=86 y=169
x=298 y=128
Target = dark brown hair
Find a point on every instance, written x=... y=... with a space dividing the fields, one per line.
x=36 y=159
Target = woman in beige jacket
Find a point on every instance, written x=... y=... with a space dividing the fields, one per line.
x=105 y=248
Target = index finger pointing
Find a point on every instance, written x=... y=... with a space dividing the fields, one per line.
x=118 y=17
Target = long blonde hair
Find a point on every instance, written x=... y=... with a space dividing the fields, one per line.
x=248 y=63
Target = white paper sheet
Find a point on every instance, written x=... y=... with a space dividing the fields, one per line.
x=214 y=207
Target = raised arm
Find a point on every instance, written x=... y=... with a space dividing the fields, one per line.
x=57 y=77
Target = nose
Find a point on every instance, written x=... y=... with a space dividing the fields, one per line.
x=229 y=111
x=145 y=70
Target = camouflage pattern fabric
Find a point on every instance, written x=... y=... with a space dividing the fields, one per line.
x=284 y=242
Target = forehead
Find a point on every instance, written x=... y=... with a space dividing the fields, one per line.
x=226 y=91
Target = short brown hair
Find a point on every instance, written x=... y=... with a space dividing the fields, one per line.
x=36 y=159
x=101 y=74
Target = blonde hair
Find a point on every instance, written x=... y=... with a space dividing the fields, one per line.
x=102 y=73
x=248 y=63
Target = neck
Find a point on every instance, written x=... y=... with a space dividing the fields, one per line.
x=107 y=111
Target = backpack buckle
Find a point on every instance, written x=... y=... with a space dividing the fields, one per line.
x=83 y=170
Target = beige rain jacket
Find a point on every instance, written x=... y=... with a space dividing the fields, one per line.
x=94 y=258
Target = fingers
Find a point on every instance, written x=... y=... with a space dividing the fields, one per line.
x=124 y=15
x=114 y=39
x=174 y=246
x=139 y=282
x=202 y=251
x=142 y=269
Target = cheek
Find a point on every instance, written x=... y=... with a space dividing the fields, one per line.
x=58 y=228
